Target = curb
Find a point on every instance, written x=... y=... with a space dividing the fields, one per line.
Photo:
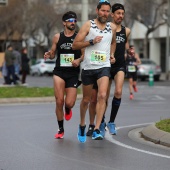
x=153 y=134
x=31 y=100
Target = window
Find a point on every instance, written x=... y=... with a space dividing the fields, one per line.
x=3 y=2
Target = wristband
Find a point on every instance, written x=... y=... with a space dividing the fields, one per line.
x=91 y=42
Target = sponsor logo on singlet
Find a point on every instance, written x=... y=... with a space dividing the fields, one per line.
x=66 y=46
x=120 y=39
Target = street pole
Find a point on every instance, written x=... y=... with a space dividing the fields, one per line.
x=84 y=12
x=167 y=43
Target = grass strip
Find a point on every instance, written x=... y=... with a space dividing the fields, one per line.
x=164 y=125
x=22 y=92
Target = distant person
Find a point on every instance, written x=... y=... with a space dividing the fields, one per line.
x=4 y=73
x=24 y=65
x=9 y=59
x=66 y=71
x=17 y=63
x=132 y=60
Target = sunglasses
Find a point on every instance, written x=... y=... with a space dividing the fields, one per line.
x=102 y=1
x=71 y=20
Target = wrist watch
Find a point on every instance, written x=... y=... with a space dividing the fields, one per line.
x=91 y=42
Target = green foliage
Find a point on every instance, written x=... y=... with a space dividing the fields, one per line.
x=164 y=125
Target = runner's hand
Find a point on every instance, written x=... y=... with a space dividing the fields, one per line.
x=97 y=39
x=47 y=55
x=112 y=60
x=76 y=63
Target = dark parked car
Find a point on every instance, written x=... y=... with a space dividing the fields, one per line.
x=146 y=66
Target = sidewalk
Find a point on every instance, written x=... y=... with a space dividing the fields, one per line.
x=155 y=135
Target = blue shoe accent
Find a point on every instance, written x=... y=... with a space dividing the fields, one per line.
x=82 y=134
x=112 y=128
x=102 y=128
x=97 y=135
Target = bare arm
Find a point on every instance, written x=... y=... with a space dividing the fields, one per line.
x=79 y=42
x=113 y=44
x=51 y=54
x=138 y=61
x=77 y=62
x=127 y=36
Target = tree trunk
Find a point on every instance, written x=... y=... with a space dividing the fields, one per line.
x=145 y=46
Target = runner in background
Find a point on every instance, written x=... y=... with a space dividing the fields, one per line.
x=132 y=60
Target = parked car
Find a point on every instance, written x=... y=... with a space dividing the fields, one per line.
x=146 y=66
x=42 y=67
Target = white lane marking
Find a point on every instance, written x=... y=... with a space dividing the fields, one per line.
x=134 y=125
x=159 y=97
x=111 y=139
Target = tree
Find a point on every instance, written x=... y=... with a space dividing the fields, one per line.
x=147 y=12
x=11 y=20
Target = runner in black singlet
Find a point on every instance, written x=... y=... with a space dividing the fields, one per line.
x=118 y=68
x=132 y=61
x=66 y=71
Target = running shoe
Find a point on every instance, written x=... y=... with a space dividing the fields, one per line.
x=82 y=134
x=90 y=130
x=60 y=134
x=135 y=89
x=68 y=114
x=97 y=135
x=112 y=128
x=102 y=129
x=131 y=97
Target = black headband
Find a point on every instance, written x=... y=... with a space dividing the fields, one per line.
x=117 y=6
x=69 y=15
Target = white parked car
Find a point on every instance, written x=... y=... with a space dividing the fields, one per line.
x=146 y=66
x=42 y=67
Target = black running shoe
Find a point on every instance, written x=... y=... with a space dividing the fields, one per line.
x=90 y=130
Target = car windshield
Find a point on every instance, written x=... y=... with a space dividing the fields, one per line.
x=147 y=62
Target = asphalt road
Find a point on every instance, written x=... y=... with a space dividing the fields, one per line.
x=27 y=135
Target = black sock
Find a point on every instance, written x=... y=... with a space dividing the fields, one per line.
x=131 y=93
x=82 y=128
x=67 y=110
x=103 y=119
x=115 y=107
x=60 y=124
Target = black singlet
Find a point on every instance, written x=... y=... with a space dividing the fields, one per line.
x=64 y=46
x=130 y=60
x=119 y=55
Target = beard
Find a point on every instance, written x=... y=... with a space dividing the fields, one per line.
x=119 y=21
x=71 y=27
x=101 y=19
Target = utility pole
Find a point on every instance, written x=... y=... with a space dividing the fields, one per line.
x=84 y=12
x=168 y=43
